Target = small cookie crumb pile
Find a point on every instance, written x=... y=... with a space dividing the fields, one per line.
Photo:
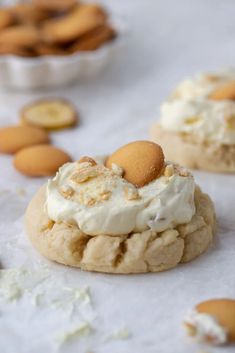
x=141 y=161
x=14 y=138
x=86 y=159
x=41 y=160
x=213 y=321
x=50 y=114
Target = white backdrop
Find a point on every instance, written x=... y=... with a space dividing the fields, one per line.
x=165 y=41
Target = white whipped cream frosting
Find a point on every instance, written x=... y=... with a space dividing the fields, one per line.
x=205 y=119
x=189 y=110
x=205 y=328
x=203 y=84
x=108 y=204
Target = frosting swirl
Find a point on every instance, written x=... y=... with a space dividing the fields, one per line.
x=100 y=201
x=205 y=119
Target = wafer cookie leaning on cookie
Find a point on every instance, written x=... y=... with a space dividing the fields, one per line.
x=141 y=161
x=133 y=212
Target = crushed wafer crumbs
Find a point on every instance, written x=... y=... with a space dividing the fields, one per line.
x=81 y=330
x=120 y=334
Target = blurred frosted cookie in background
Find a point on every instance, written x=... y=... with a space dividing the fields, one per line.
x=215 y=86
x=131 y=213
x=197 y=123
x=212 y=322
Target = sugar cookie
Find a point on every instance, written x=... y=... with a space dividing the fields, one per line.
x=40 y=160
x=50 y=114
x=14 y=138
x=142 y=161
x=89 y=217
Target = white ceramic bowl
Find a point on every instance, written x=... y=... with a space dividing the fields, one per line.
x=55 y=71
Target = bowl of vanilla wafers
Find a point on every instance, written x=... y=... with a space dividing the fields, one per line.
x=46 y=44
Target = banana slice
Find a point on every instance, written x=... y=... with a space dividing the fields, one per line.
x=51 y=114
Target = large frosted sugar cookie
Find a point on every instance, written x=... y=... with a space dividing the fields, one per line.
x=197 y=125
x=133 y=212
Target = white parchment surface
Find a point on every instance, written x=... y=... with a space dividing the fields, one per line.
x=46 y=307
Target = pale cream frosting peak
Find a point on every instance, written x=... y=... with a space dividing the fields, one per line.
x=100 y=201
x=202 y=85
x=205 y=119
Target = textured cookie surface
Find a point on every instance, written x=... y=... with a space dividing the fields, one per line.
x=134 y=253
x=183 y=149
x=141 y=161
x=40 y=160
x=14 y=138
